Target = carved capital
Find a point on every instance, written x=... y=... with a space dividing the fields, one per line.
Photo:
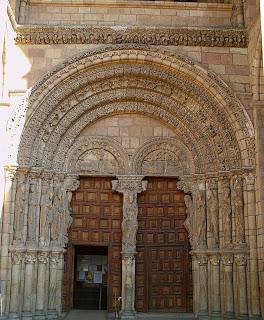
x=30 y=257
x=17 y=257
x=47 y=175
x=54 y=259
x=129 y=184
x=43 y=257
x=202 y=260
x=241 y=259
x=185 y=186
x=71 y=183
x=250 y=180
x=227 y=259
x=10 y=173
x=215 y=260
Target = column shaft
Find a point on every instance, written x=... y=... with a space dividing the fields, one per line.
x=14 y=308
x=228 y=287
x=215 y=288
x=41 y=288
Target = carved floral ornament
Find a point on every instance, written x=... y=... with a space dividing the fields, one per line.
x=46 y=139
x=147 y=35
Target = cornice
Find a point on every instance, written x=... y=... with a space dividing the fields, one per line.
x=134 y=4
x=209 y=37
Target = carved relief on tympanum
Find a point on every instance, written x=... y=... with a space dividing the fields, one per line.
x=162 y=156
x=97 y=161
x=97 y=155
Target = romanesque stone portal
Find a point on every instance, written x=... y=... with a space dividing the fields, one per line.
x=205 y=139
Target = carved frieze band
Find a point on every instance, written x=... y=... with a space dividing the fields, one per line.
x=147 y=35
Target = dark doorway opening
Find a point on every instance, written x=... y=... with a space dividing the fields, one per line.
x=90 y=277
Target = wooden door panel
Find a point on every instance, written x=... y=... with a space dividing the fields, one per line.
x=163 y=267
x=97 y=214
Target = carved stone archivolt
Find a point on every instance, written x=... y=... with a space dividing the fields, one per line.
x=46 y=137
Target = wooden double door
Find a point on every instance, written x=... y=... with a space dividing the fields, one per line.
x=163 y=264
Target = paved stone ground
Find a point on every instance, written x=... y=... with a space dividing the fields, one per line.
x=102 y=315
x=86 y=315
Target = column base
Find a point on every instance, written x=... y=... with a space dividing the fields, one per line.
x=52 y=315
x=255 y=317
x=13 y=315
x=216 y=315
x=40 y=315
x=128 y=315
x=27 y=315
x=229 y=315
x=243 y=317
x=203 y=316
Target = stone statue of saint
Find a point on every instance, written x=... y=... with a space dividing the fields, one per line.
x=226 y=213
x=57 y=212
x=188 y=223
x=200 y=232
x=212 y=217
x=19 y=211
x=129 y=223
x=45 y=215
x=32 y=212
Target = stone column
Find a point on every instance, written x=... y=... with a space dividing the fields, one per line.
x=52 y=295
x=250 y=204
x=203 y=286
x=6 y=233
x=215 y=287
x=14 y=307
x=30 y=260
x=241 y=262
x=60 y=274
x=129 y=186
x=41 y=285
x=227 y=261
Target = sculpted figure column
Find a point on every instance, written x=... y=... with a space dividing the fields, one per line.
x=238 y=210
x=225 y=212
x=199 y=246
x=200 y=238
x=16 y=258
x=33 y=208
x=212 y=214
x=30 y=260
x=250 y=206
x=129 y=186
x=45 y=209
x=41 y=285
x=20 y=204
